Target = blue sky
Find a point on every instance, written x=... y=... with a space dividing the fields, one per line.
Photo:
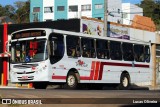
x=5 y=2
x=132 y=1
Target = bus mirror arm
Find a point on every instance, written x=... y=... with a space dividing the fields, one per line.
x=49 y=49
x=53 y=47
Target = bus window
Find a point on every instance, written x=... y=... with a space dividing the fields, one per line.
x=56 y=47
x=147 y=54
x=88 y=48
x=115 y=50
x=127 y=52
x=29 y=51
x=73 y=46
x=102 y=49
x=139 y=53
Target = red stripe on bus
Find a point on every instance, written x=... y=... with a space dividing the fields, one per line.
x=101 y=71
x=59 y=77
x=97 y=71
x=92 y=70
x=142 y=66
x=84 y=78
x=64 y=77
x=118 y=64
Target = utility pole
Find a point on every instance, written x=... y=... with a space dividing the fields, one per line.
x=105 y=17
x=154 y=84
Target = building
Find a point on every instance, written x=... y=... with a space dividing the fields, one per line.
x=6 y=19
x=129 y=11
x=47 y=10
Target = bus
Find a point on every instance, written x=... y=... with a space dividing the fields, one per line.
x=44 y=56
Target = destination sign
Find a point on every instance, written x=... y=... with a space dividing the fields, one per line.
x=29 y=33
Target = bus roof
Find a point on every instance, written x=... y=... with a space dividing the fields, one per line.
x=80 y=34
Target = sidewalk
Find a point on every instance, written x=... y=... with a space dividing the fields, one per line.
x=10 y=85
x=156 y=88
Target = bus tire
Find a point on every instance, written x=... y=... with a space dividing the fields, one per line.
x=124 y=82
x=72 y=81
x=40 y=85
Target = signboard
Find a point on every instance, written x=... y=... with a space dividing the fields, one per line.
x=92 y=27
x=96 y=28
x=120 y=32
x=29 y=33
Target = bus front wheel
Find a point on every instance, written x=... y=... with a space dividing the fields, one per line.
x=124 y=82
x=72 y=81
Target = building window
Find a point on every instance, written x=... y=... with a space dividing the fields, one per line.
x=60 y=8
x=98 y=6
x=48 y=9
x=98 y=18
x=36 y=9
x=86 y=7
x=119 y=11
x=125 y=15
x=73 y=8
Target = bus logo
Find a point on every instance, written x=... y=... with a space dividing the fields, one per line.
x=81 y=63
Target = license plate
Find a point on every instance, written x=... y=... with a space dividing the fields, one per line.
x=24 y=77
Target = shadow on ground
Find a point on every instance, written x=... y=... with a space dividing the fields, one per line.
x=97 y=87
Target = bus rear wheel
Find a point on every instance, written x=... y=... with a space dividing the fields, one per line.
x=40 y=85
x=72 y=81
x=124 y=82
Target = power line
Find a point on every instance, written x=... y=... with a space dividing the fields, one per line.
x=129 y=20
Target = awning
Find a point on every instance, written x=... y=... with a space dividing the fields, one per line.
x=5 y=55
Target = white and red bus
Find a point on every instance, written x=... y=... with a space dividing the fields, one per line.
x=49 y=56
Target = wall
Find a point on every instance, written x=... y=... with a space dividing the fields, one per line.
x=60 y=14
x=48 y=16
x=130 y=8
x=113 y=6
x=97 y=12
x=36 y=3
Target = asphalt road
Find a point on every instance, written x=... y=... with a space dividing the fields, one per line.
x=83 y=97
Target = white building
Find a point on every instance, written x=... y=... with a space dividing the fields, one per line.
x=129 y=11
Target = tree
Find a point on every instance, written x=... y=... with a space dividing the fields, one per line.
x=19 y=13
x=151 y=8
x=22 y=12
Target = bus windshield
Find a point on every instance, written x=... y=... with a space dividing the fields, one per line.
x=29 y=51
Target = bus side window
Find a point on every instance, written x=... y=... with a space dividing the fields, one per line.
x=73 y=46
x=128 y=52
x=88 y=48
x=147 y=54
x=115 y=50
x=102 y=49
x=139 y=53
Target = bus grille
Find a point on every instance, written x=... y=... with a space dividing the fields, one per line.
x=25 y=72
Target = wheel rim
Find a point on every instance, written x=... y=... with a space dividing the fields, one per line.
x=71 y=80
x=125 y=82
